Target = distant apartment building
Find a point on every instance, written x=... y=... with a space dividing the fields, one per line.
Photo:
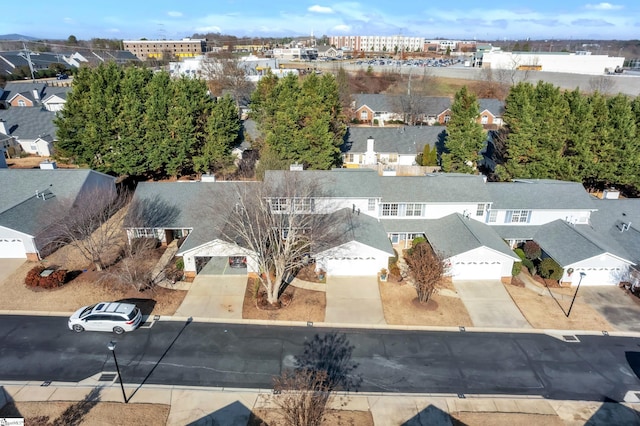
x=398 y=43
x=295 y=53
x=157 y=49
x=378 y=43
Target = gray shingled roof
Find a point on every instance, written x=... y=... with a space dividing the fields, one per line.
x=568 y=244
x=494 y=106
x=339 y=183
x=358 y=227
x=610 y=217
x=29 y=123
x=516 y=232
x=186 y=205
x=13 y=88
x=402 y=140
x=539 y=194
x=19 y=207
x=429 y=105
x=455 y=234
x=435 y=188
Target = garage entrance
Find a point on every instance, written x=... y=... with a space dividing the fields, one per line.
x=12 y=248
x=477 y=271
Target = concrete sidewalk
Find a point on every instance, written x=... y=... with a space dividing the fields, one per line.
x=231 y=406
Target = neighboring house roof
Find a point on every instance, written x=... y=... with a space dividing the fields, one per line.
x=429 y=105
x=454 y=234
x=539 y=194
x=361 y=228
x=408 y=140
x=185 y=205
x=568 y=244
x=29 y=123
x=516 y=232
x=11 y=89
x=338 y=183
x=435 y=188
x=27 y=95
x=250 y=128
x=494 y=106
x=619 y=220
x=22 y=211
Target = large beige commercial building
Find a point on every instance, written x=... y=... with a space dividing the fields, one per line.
x=157 y=49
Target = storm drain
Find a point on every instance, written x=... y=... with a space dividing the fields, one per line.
x=107 y=377
x=570 y=338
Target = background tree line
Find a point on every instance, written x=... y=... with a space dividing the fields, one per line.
x=551 y=134
x=568 y=135
x=301 y=120
x=132 y=121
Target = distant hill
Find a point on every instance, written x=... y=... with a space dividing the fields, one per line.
x=16 y=37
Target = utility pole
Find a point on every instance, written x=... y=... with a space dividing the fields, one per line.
x=26 y=53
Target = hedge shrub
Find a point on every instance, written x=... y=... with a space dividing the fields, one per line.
x=549 y=268
x=55 y=279
x=517 y=267
x=529 y=265
x=520 y=253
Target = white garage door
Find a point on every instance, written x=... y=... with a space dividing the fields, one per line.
x=477 y=271
x=12 y=248
x=352 y=266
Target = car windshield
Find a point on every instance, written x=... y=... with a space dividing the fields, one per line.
x=86 y=311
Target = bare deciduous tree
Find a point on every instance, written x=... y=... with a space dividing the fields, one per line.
x=303 y=396
x=133 y=268
x=427 y=268
x=601 y=84
x=225 y=74
x=281 y=222
x=92 y=223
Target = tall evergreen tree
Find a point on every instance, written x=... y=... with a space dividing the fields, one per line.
x=221 y=133
x=465 y=136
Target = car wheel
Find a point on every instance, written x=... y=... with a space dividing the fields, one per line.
x=118 y=330
x=78 y=328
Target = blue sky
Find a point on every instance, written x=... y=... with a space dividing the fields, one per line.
x=466 y=19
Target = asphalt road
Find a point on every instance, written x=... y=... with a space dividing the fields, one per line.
x=596 y=368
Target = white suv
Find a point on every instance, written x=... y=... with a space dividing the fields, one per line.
x=106 y=316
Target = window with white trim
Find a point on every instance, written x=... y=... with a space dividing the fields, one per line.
x=518 y=216
x=393 y=158
x=484 y=119
x=493 y=216
x=348 y=158
x=21 y=103
x=480 y=209
x=303 y=204
x=371 y=205
x=390 y=209
x=278 y=204
x=413 y=209
x=447 y=118
x=364 y=115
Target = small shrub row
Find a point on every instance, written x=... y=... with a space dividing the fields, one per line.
x=549 y=268
x=55 y=279
x=515 y=270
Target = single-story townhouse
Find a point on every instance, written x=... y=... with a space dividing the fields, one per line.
x=32 y=129
x=30 y=196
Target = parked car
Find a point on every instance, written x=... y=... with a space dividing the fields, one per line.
x=238 y=261
x=62 y=76
x=106 y=316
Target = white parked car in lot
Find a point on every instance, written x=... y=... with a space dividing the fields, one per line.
x=106 y=316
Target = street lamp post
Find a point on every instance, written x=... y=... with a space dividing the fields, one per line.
x=112 y=348
x=582 y=274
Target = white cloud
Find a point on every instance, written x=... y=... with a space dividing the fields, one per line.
x=342 y=28
x=603 y=6
x=174 y=14
x=320 y=9
x=69 y=20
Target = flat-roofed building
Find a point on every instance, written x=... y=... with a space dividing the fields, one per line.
x=157 y=49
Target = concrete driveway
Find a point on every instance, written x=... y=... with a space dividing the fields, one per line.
x=215 y=296
x=614 y=305
x=489 y=304
x=353 y=300
x=8 y=267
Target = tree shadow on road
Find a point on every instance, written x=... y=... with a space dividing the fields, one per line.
x=331 y=354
